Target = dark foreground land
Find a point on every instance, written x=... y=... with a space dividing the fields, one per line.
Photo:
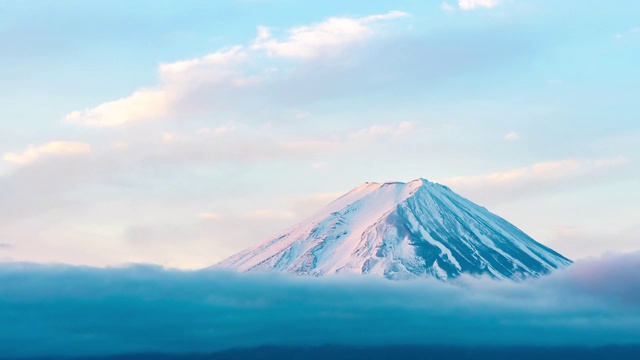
x=390 y=353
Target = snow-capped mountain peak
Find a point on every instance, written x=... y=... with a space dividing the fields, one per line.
x=402 y=230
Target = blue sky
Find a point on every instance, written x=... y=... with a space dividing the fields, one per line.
x=177 y=133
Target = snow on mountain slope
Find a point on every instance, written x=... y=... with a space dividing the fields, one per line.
x=402 y=230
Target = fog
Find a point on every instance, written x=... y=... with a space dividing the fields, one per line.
x=50 y=310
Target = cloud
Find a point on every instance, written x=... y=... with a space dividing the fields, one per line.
x=41 y=187
x=475 y=4
x=326 y=38
x=200 y=69
x=53 y=148
x=61 y=310
x=537 y=176
x=178 y=81
x=143 y=104
x=207 y=83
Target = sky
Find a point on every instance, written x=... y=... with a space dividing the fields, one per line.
x=178 y=133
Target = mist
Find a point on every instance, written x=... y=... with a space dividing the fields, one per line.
x=59 y=310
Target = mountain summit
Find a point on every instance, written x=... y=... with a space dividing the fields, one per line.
x=402 y=230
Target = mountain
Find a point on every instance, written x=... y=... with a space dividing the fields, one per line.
x=402 y=230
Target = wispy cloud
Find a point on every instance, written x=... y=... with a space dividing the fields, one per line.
x=143 y=104
x=537 y=176
x=475 y=4
x=75 y=311
x=177 y=81
x=53 y=148
x=326 y=38
x=467 y=5
x=544 y=171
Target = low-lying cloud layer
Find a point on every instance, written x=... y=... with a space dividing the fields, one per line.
x=62 y=310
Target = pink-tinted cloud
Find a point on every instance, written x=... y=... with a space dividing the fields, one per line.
x=542 y=172
x=35 y=153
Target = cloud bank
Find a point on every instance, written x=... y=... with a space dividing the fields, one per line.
x=62 y=310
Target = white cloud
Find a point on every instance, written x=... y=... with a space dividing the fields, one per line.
x=53 y=148
x=474 y=4
x=212 y=68
x=184 y=82
x=143 y=104
x=512 y=136
x=325 y=38
x=177 y=81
